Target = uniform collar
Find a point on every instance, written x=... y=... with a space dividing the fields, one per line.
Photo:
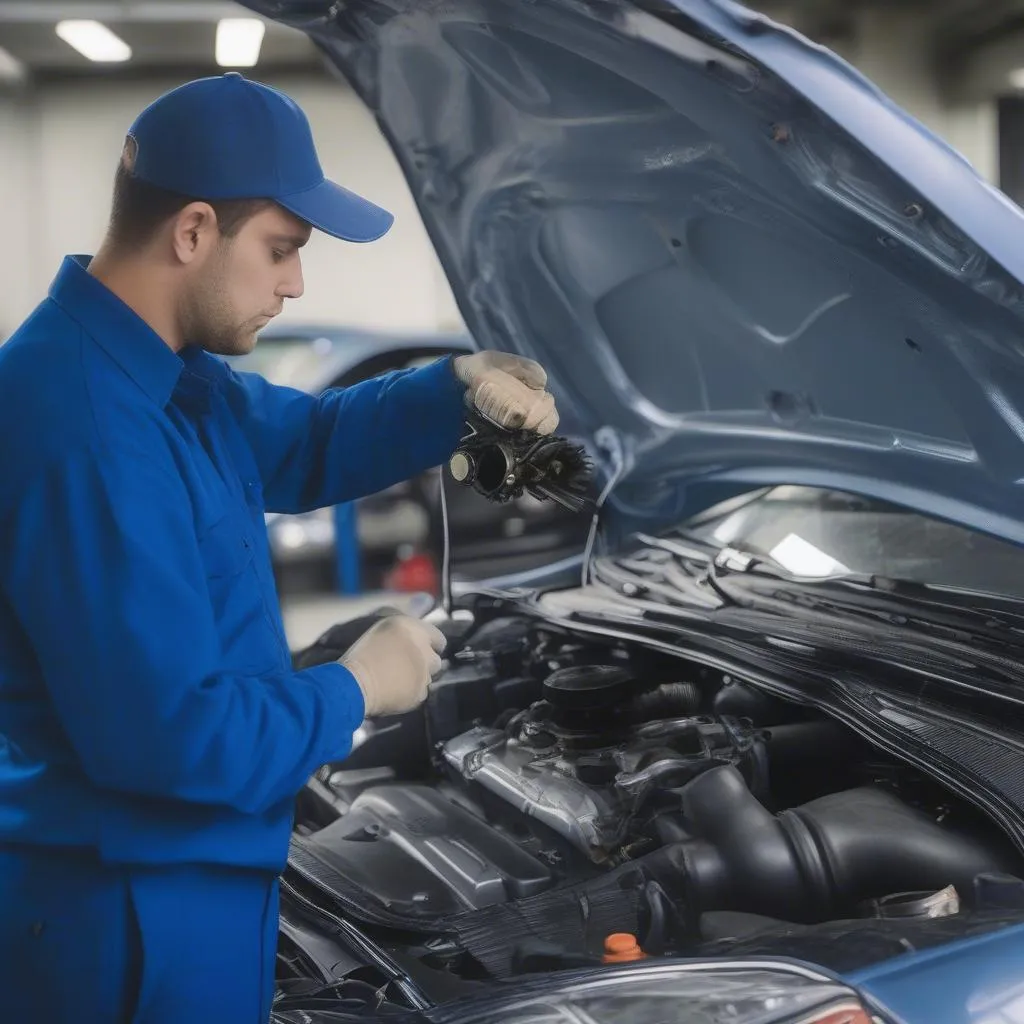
x=131 y=342
x=200 y=375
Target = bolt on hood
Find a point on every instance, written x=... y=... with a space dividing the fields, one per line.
x=738 y=260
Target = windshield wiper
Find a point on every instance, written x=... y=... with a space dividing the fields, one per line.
x=665 y=581
x=750 y=578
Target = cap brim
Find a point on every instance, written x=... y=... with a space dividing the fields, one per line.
x=336 y=211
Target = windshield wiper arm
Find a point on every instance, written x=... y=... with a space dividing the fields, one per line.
x=738 y=576
x=890 y=602
x=665 y=581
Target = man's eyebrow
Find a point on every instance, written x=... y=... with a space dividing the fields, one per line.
x=297 y=240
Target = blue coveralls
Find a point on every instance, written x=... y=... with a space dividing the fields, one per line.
x=153 y=735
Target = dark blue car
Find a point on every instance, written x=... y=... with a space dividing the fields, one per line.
x=757 y=758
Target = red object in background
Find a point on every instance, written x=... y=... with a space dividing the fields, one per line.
x=413 y=573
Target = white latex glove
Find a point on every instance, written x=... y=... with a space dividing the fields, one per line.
x=393 y=663
x=509 y=390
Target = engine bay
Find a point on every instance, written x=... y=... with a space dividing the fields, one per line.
x=556 y=790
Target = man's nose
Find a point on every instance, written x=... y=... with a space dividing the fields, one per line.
x=293 y=286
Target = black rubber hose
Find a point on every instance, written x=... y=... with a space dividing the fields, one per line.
x=742 y=701
x=670 y=700
x=797 y=746
x=817 y=861
x=807 y=760
x=872 y=844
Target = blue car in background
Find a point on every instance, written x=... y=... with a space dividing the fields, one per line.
x=353 y=548
x=760 y=760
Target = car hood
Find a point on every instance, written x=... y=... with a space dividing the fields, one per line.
x=740 y=263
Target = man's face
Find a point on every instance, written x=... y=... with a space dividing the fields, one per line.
x=242 y=284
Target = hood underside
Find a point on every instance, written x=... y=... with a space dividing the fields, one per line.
x=738 y=261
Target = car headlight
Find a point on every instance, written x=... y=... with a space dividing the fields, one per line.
x=751 y=992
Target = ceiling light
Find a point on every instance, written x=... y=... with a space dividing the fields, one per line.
x=95 y=41
x=239 y=41
x=11 y=69
x=1017 y=78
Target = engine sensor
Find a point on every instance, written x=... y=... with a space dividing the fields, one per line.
x=501 y=464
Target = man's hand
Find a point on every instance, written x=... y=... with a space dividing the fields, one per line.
x=509 y=390
x=393 y=663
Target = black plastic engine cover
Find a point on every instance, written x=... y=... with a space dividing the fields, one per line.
x=417 y=854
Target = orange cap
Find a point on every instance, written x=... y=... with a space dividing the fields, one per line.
x=622 y=947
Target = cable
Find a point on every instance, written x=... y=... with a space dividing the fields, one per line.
x=446 y=551
x=609 y=442
x=588 y=550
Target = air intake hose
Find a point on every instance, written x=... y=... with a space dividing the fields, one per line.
x=670 y=700
x=818 y=861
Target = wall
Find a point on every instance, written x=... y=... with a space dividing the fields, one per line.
x=890 y=46
x=887 y=48
x=19 y=197
x=61 y=144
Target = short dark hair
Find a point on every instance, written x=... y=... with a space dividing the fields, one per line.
x=139 y=209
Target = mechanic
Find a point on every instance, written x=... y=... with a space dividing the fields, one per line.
x=153 y=734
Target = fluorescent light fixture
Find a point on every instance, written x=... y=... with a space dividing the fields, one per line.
x=11 y=69
x=94 y=40
x=802 y=558
x=1017 y=78
x=239 y=41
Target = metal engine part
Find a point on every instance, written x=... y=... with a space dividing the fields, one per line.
x=503 y=464
x=581 y=767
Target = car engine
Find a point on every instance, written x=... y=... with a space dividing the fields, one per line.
x=556 y=790
x=585 y=759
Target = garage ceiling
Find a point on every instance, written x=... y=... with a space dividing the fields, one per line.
x=163 y=34
x=951 y=28
x=179 y=34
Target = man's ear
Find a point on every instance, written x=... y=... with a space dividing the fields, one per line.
x=194 y=232
x=129 y=154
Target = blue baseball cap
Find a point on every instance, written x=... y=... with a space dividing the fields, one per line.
x=227 y=137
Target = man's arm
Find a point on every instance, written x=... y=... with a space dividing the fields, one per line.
x=349 y=442
x=100 y=563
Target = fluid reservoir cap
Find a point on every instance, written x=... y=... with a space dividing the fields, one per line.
x=622 y=947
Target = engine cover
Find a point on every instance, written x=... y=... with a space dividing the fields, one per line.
x=408 y=849
x=577 y=763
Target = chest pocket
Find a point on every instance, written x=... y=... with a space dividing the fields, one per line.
x=225 y=548
x=248 y=642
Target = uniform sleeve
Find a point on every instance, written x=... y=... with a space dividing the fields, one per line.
x=102 y=568
x=349 y=442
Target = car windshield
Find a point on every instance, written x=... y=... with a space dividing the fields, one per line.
x=295 y=362
x=825 y=534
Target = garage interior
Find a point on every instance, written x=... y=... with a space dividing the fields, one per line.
x=957 y=65
x=729 y=731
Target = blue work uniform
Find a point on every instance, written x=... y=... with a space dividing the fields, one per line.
x=153 y=734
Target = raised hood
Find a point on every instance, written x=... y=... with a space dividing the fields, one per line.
x=738 y=261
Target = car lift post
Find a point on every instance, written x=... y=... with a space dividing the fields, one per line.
x=346 y=548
